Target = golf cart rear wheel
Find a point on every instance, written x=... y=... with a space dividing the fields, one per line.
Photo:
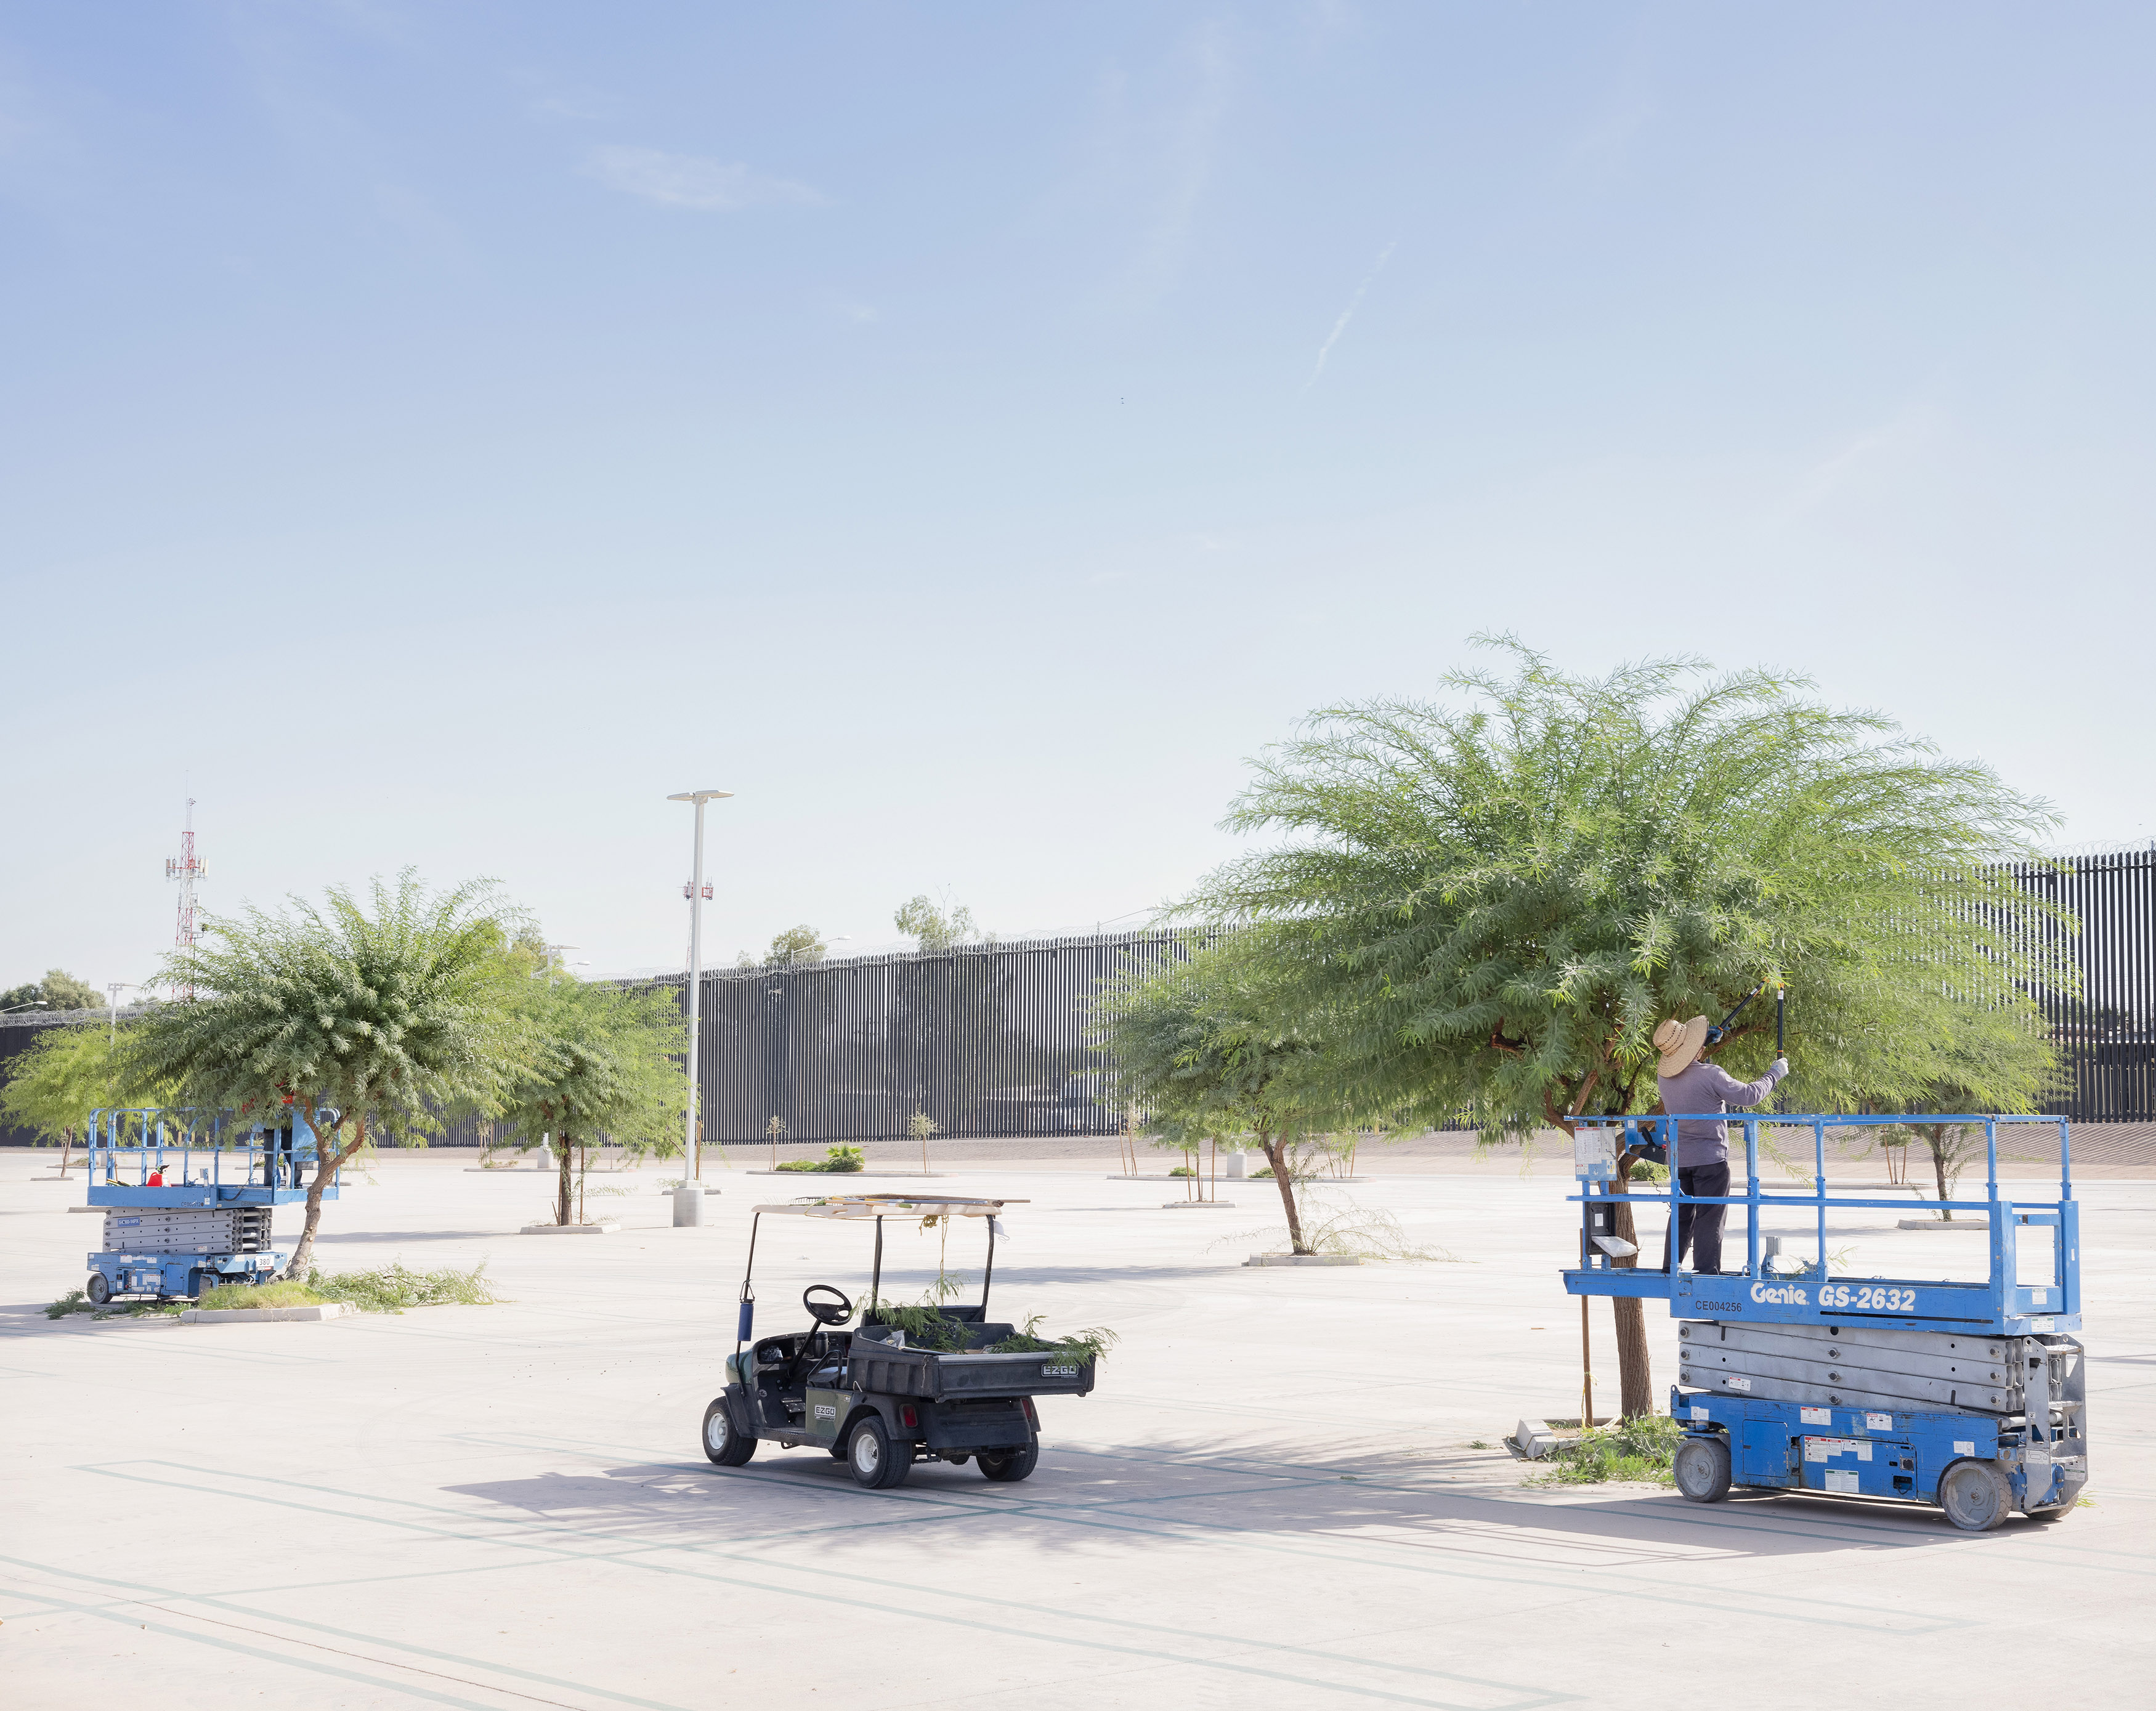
x=1975 y=1496
x=1007 y=1467
x=99 y=1288
x=1703 y=1469
x=724 y=1445
x=875 y=1462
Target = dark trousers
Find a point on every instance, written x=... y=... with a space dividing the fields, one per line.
x=1699 y=1227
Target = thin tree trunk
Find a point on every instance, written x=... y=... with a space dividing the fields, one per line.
x=563 y=1203
x=1635 y=1378
x=326 y=1170
x=1276 y=1152
x=1935 y=1138
x=67 y=1150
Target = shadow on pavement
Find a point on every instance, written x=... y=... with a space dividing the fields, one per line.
x=1078 y=1495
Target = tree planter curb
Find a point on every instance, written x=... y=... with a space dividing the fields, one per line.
x=602 y=1226
x=1980 y=1223
x=1169 y=1206
x=247 y=1315
x=1304 y=1259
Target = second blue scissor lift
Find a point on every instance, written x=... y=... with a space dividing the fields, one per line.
x=188 y=1198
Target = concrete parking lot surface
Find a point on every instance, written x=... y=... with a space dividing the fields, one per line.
x=1271 y=1500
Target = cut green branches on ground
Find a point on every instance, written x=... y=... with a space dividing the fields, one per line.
x=228 y=1297
x=74 y=1301
x=1366 y=1232
x=1642 y=1449
x=392 y=1288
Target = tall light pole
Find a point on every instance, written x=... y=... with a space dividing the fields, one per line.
x=689 y=1197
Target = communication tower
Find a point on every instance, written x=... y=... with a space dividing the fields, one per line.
x=187 y=868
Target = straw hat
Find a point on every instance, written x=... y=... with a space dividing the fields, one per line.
x=1679 y=1042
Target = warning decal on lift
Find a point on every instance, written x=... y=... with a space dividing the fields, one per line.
x=1818 y=1449
x=1815 y=1416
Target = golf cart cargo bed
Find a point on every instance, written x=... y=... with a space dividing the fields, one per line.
x=933 y=1374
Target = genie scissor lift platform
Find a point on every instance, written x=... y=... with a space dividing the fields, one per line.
x=1970 y=1395
x=188 y=1200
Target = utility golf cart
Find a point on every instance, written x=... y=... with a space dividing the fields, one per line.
x=867 y=1397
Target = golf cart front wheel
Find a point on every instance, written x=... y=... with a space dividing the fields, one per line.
x=1975 y=1496
x=1007 y=1467
x=1702 y=1468
x=724 y=1445
x=99 y=1288
x=876 y=1463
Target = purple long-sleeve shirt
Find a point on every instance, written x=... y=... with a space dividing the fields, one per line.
x=1700 y=1087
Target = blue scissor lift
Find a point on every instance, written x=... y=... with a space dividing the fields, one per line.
x=1968 y=1395
x=188 y=1199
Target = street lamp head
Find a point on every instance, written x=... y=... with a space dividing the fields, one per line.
x=698 y=796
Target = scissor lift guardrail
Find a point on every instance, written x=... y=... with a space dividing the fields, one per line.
x=2001 y=1304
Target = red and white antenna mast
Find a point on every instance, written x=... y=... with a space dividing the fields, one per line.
x=186 y=869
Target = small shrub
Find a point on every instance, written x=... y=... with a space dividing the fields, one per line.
x=1262 y=1170
x=1183 y=1170
x=836 y=1161
x=1642 y=1449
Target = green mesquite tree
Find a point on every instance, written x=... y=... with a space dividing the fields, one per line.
x=1487 y=908
x=1204 y=1045
x=70 y=1071
x=396 y=1014
x=598 y=1062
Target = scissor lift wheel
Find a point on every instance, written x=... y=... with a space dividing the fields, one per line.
x=1975 y=1496
x=1703 y=1469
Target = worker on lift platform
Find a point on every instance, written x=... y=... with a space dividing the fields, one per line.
x=1690 y=1085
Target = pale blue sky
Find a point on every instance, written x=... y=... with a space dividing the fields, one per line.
x=436 y=433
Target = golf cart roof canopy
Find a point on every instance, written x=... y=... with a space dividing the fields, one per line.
x=877 y=1205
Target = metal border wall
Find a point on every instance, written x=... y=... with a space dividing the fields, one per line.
x=2107 y=1033
x=985 y=1039
x=989 y=1039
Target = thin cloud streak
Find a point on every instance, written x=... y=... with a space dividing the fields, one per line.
x=693 y=181
x=1348 y=314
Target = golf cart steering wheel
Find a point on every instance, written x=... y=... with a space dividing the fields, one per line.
x=826 y=1313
